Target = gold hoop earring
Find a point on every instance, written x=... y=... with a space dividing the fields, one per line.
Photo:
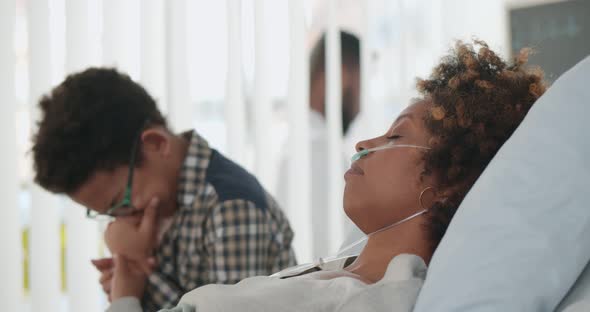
x=422 y=194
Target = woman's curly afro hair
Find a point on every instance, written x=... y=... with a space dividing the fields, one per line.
x=478 y=100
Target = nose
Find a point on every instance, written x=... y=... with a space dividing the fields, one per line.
x=361 y=145
x=366 y=144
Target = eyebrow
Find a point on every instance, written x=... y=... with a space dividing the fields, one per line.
x=402 y=116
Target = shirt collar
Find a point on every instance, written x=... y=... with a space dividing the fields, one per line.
x=194 y=168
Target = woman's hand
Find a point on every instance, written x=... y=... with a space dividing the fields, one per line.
x=126 y=282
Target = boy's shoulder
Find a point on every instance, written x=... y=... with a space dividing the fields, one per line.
x=232 y=182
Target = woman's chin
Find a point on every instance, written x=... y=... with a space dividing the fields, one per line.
x=354 y=213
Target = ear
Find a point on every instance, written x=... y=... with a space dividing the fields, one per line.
x=156 y=141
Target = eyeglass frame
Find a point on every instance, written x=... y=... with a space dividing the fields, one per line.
x=126 y=201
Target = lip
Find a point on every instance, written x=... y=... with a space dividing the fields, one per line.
x=355 y=170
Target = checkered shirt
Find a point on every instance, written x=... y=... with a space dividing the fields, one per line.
x=226 y=228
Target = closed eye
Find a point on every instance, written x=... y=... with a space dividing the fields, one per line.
x=394 y=137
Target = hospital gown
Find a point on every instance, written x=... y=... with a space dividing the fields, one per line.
x=396 y=291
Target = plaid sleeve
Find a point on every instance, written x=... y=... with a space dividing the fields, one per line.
x=160 y=292
x=282 y=254
x=238 y=238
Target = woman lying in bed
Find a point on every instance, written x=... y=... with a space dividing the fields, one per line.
x=402 y=189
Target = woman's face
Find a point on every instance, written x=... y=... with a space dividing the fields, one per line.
x=384 y=187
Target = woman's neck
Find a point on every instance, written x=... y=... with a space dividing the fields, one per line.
x=406 y=238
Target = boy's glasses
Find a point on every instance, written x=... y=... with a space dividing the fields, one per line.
x=124 y=207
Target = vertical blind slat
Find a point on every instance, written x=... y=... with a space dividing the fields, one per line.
x=121 y=36
x=299 y=196
x=153 y=50
x=371 y=112
x=11 y=269
x=82 y=45
x=262 y=106
x=44 y=252
x=180 y=110
x=82 y=246
x=235 y=115
x=81 y=233
x=334 y=123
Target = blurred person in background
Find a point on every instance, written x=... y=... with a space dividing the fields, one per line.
x=350 y=69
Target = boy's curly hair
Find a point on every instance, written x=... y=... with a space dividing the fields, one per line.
x=89 y=122
x=478 y=100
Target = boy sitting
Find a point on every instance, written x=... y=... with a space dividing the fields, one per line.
x=103 y=142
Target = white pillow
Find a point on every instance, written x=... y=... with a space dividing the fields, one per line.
x=522 y=235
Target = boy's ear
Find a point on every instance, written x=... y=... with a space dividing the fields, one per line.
x=156 y=140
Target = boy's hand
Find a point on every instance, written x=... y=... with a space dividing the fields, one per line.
x=126 y=282
x=135 y=241
x=105 y=266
